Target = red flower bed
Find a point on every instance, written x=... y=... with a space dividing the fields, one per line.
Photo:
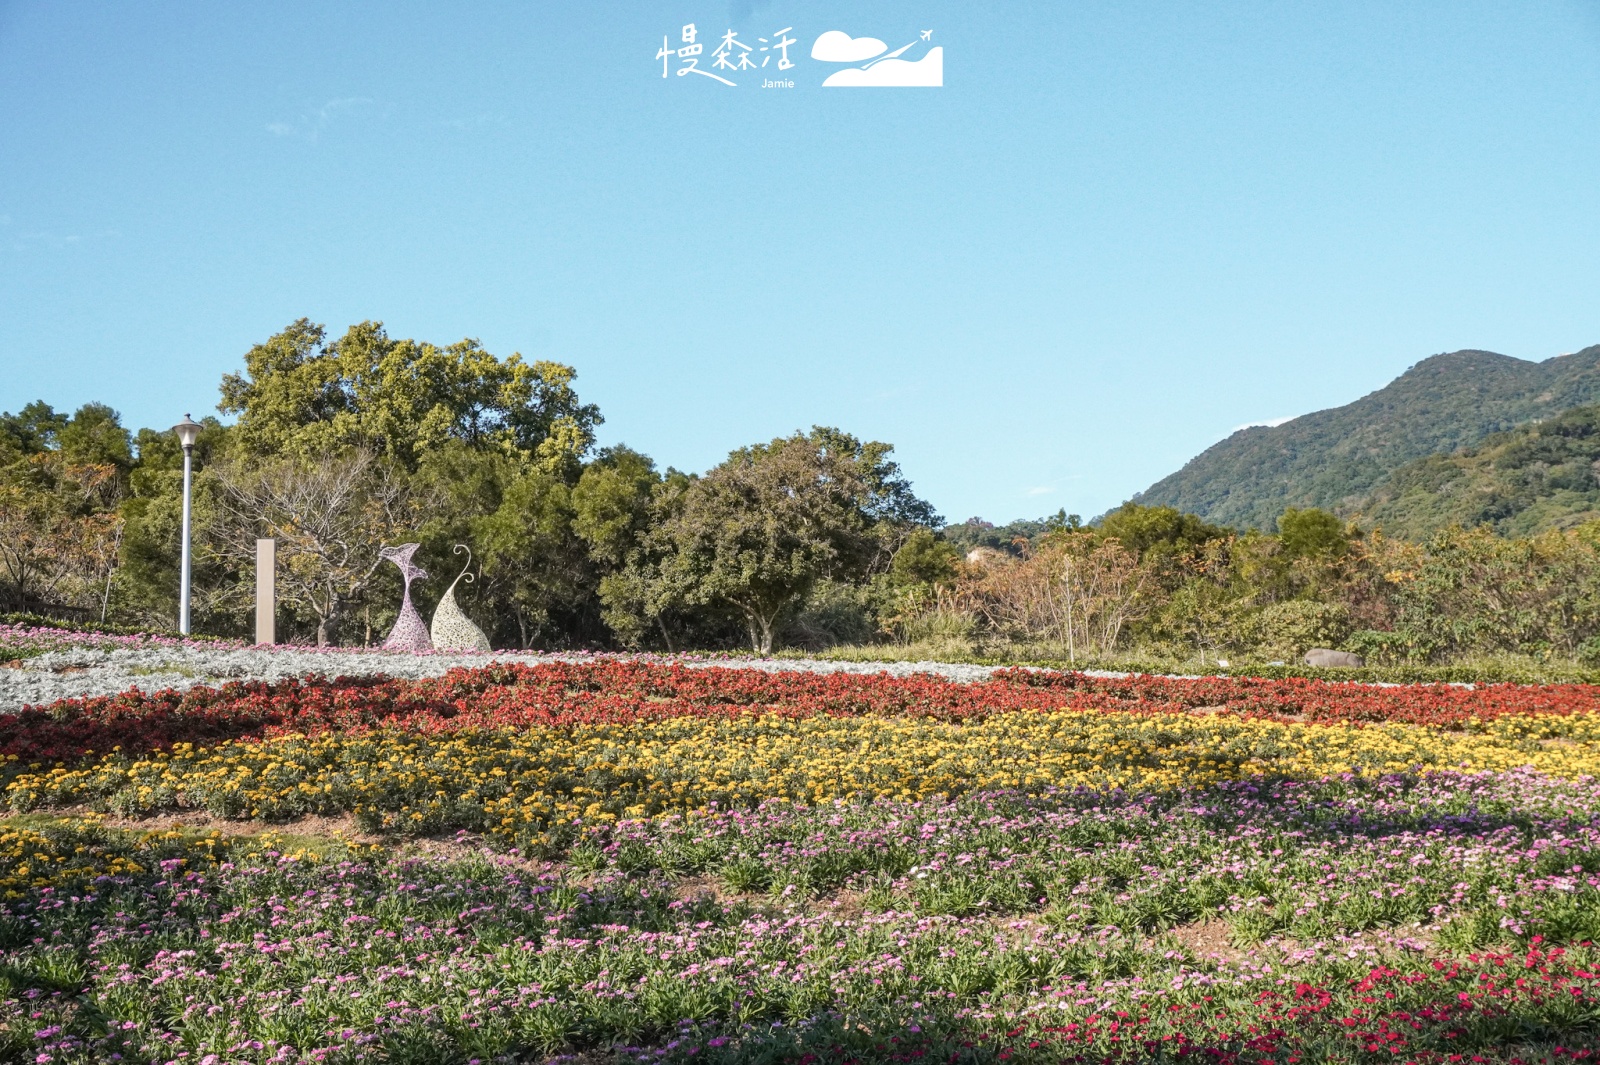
x=1314 y=700
x=552 y=694
x=612 y=691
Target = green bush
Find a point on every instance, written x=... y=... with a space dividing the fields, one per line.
x=1288 y=630
x=1589 y=651
x=833 y=613
x=1500 y=670
x=40 y=621
x=1391 y=648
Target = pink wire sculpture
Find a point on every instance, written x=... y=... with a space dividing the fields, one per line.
x=410 y=633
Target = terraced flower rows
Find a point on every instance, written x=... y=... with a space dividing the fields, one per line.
x=660 y=863
x=610 y=691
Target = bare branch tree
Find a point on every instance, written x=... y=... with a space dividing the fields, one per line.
x=59 y=534
x=1078 y=590
x=330 y=516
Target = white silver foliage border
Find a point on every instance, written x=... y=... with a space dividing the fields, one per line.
x=86 y=671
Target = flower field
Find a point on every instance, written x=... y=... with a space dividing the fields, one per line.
x=18 y=641
x=644 y=862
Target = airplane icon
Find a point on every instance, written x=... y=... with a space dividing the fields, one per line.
x=927 y=35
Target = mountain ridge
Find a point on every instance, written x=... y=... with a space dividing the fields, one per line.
x=1337 y=457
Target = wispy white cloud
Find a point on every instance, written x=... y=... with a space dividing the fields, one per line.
x=45 y=238
x=1041 y=490
x=310 y=124
x=1270 y=423
x=342 y=105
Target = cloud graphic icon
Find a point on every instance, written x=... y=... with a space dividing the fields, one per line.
x=837 y=46
x=927 y=72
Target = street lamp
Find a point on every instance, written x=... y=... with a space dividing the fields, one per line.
x=188 y=432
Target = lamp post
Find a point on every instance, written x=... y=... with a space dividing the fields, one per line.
x=188 y=432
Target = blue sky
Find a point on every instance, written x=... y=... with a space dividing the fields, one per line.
x=1119 y=231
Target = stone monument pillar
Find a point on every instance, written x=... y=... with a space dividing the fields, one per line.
x=266 y=591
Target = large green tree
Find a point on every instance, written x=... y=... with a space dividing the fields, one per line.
x=30 y=431
x=1144 y=529
x=612 y=504
x=495 y=445
x=61 y=482
x=758 y=532
x=535 y=569
x=619 y=504
x=306 y=396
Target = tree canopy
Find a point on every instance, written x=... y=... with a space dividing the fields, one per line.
x=759 y=531
x=304 y=395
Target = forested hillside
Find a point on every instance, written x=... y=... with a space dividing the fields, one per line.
x=1527 y=480
x=1335 y=458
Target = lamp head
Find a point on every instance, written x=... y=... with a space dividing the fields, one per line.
x=188 y=431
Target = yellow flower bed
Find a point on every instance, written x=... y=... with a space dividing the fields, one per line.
x=521 y=783
x=70 y=851
x=32 y=859
x=74 y=852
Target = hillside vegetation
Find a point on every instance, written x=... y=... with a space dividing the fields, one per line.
x=1335 y=459
x=1527 y=480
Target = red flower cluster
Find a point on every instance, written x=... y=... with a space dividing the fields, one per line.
x=1426 y=1015
x=617 y=692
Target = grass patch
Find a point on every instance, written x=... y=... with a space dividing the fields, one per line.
x=1499 y=669
x=168 y=668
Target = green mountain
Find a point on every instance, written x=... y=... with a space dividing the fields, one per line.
x=1535 y=477
x=1336 y=458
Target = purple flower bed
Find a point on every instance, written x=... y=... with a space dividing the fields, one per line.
x=1276 y=922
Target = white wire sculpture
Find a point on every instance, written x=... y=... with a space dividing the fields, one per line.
x=452 y=629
